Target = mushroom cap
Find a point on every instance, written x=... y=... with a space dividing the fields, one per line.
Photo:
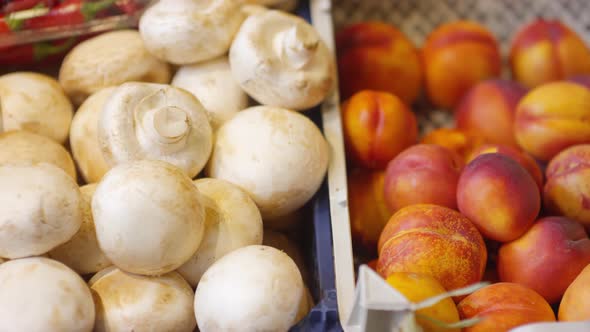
x=185 y=32
x=148 y=217
x=36 y=103
x=155 y=121
x=109 y=59
x=82 y=253
x=41 y=208
x=280 y=60
x=232 y=221
x=42 y=295
x=254 y=288
x=305 y=305
x=282 y=242
x=215 y=87
x=23 y=146
x=129 y=302
x=84 y=137
x=278 y=156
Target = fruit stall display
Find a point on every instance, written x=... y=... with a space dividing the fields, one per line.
x=163 y=166
x=467 y=134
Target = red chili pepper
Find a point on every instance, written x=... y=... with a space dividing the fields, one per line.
x=18 y=5
x=69 y=12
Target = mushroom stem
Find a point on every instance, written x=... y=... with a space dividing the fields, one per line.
x=163 y=125
x=298 y=45
x=170 y=123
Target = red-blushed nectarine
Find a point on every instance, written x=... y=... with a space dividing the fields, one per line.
x=499 y=196
x=575 y=304
x=423 y=173
x=521 y=157
x=377 y=126
x=433 y=240
x=489 y=109
x=553 y=117
x=567 y=191
x=504 y=306
x=456 y=56
x=547 y=258
x=547 y=50
x=377 y=56
x=368 y=210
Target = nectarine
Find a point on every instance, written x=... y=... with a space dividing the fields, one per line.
x=489 y=108
x=547 y=50
x=461 y=142
x=583 y=80
x=377 y=126
x=377 y=56
x=368 y=211
x=423 y=173
x=547 y=258
x=552 y=118
x=419 y=287
x=499 y=196
x=504 y=306
x=521 y=157
x=575 y=304
x=567 y=191
x=456 y=56
x=433 y=240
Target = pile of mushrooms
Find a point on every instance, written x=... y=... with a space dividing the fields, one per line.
x=36 y=103
x=132 y=196
x=108 y=60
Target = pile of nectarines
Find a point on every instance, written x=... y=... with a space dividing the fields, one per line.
x=502 y=196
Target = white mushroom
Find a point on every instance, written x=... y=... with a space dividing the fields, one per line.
x=155 y=121
x=41 y=207
x=42 y=295
x=109 y=59
x=278 y=156
x=255 y=288
x=36 y=103
x=186 y=31
x=232 y=221
x=305 y=305
x=129 y=302
x=84 y=137
x=23 y=146
x=148 y=217
x=2 y=260
x=287 y=5
x=213 y=84
x=282 y=242
x=1 y=116
x=82 y=253
x=280 y=60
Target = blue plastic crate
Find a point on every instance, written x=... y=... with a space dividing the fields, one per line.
x=324 y=316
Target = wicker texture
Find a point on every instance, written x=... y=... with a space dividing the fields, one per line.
x=417 y=18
